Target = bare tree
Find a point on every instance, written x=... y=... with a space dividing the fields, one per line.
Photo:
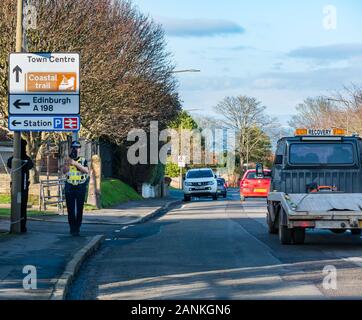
x=315 y=113
x=342 y=109
x=207 y=122
x=247 y=117
x=349 y=103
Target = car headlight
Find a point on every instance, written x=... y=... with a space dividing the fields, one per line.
x=187 y=184
x=211 y=183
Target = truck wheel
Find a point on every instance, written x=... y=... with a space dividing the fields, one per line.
x=356 y=232
x=299 y=236
x=271 y=225
x=285 y=234
x=187 y=198
x=215 y=197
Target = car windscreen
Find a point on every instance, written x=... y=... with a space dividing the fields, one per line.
x=220 y=182
x=321 y=154
x=252 y=175
x=200 y=174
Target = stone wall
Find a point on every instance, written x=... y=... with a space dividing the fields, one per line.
x=34 y=189
x=175 y=183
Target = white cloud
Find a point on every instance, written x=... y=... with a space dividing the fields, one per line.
x=343 y=51
x=321 y=79
x=199 y=27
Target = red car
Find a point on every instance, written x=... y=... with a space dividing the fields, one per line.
x=252 y=186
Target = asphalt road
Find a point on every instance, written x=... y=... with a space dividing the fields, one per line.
x=219 y=250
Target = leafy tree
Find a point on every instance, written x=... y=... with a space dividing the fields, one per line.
x=260 y=146
x=183 y=121
x=126 y=71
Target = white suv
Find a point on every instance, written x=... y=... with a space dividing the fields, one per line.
x=200 y=183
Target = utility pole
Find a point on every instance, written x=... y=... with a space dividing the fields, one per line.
x=75 y=136
x=181 y=154
x=17 y=163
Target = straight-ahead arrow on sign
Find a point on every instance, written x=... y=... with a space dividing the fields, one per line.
x=17 y=70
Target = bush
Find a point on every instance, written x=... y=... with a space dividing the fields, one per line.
x=158 y=172
x=172 y=170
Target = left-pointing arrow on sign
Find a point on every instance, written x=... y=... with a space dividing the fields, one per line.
x=18 y=104
x=17 y=70
x=15 y=123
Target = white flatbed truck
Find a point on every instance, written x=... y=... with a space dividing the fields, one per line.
x=316 y=184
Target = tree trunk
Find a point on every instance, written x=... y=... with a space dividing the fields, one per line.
x=33 y=147
x=242 y=161
x=94 y=193
x=35 y=173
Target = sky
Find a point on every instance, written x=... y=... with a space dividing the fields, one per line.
x=279 y=51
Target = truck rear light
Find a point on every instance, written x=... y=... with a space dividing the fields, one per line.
x=304 y=224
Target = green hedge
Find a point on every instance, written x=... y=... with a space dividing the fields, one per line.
x=6 y=199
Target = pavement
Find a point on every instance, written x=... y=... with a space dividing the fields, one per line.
x=219 y=250
x=129 y=213
x=55 y=256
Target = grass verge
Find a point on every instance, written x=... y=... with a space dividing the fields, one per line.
x=115 y=192
x=4 y=212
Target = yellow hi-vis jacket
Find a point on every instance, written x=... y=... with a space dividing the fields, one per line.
x=76 y=177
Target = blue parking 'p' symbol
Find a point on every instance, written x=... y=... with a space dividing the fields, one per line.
x=58 y=123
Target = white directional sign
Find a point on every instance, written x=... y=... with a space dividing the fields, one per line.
x=43 y=104
x=44 y=73
x=55 y=123
x=182 y=161
x=44 y=92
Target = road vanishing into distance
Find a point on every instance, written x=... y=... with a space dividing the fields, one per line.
x=218 y=250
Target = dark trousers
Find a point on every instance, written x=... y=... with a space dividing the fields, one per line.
x=75 y=197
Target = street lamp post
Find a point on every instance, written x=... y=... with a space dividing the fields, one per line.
x=186 y=71
x=180 y=127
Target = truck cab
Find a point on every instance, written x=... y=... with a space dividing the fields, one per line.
x=317 y=176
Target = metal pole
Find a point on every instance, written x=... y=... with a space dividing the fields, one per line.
x=16 y=163
x=75 y=136
x=181 y=154
x=247 y=151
